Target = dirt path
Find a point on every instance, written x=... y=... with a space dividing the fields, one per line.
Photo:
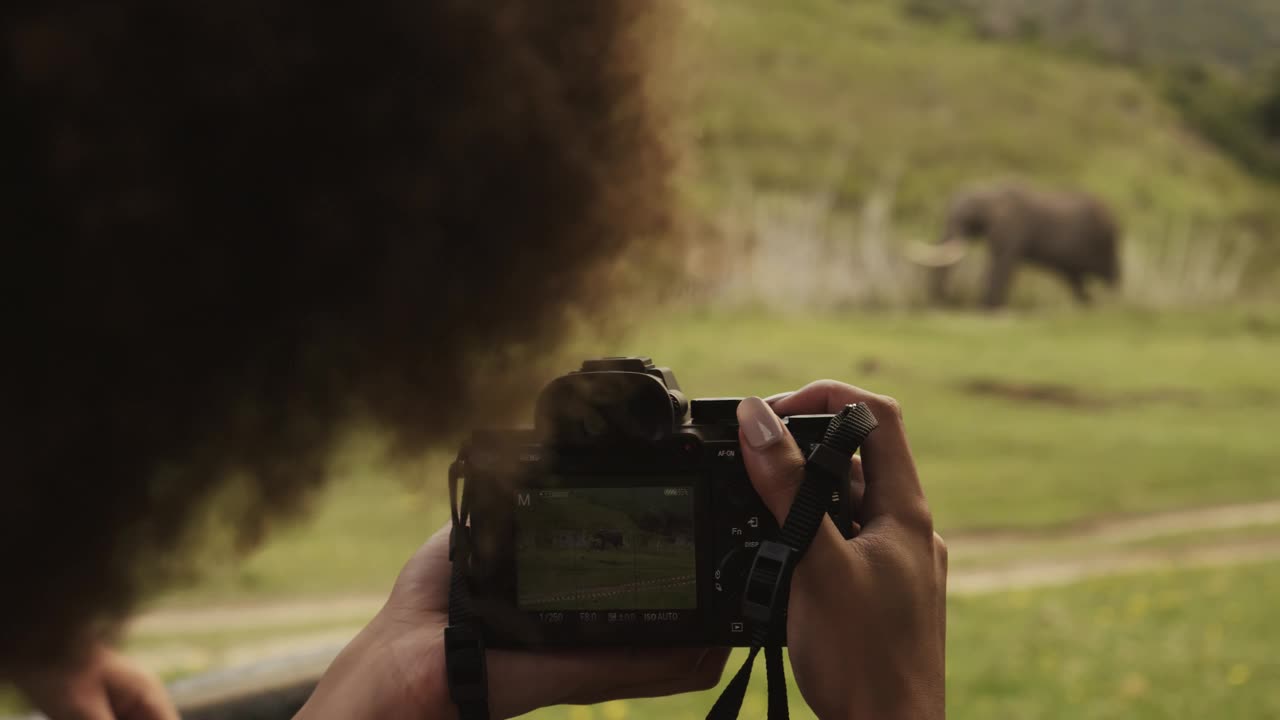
x=1133 y=528
x=1032 y=572
x=1042 y=573
x=273 y=615
x=306 y=653
x=306 y=633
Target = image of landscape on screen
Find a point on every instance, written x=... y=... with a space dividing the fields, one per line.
x=605 y=548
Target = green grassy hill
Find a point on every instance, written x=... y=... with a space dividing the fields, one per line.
x=1244 y=34
x=818 y=95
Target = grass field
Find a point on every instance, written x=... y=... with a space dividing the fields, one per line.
x=1185 y=645
x=1030 y=422
x=1030 y=426
x=551 y=579
x=604 y=548
x=1182 y=644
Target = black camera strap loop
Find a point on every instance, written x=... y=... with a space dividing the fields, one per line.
x=465 y=668
x=764 y=604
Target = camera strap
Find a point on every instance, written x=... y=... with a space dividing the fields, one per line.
x=764 y=604
x=464 y=658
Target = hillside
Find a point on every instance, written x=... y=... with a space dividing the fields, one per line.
x=824 y=95
x=1244 y=34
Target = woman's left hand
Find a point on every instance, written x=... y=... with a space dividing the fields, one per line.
x=98 y=683
x=395 y=667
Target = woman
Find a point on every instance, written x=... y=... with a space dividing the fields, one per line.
x=230 y=228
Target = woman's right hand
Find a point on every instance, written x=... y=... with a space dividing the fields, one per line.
x=866 y=625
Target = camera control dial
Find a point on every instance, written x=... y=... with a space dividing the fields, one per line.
x=731 y=572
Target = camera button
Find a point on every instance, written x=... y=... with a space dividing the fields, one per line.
x=755 y=523
x=734 y=492
x=745 y=532
x=715 y=411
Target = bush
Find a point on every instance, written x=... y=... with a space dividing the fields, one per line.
x=1269 y=109
x=1232 y=113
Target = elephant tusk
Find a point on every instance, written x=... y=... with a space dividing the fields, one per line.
x=944 y=254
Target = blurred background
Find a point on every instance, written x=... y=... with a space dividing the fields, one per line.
x=1107 y=473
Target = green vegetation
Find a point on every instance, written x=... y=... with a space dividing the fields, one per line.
x=816 y=96
x=366 y=522
x=606 y=549
x=1241 y=115
x=1029 y=422
x=1024 y=422
x=1239 y=33
x=1184 y=644
x=1147 y=412
x=607 y=579
x=1215 y=60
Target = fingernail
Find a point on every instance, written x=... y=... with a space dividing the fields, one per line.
x=758 y=422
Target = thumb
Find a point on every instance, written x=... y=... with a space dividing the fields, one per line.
x=90 y=705
x=773 y=460
x=134 y=693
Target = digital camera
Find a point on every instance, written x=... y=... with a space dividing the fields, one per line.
x=624 y=517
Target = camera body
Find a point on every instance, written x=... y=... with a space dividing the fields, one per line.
x=625 y=517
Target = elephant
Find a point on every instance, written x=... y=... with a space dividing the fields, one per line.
x=606 y=539
x=1071 y=234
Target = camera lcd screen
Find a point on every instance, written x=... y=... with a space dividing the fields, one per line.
x=605 y=548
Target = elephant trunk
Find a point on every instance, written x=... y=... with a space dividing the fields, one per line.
x=945 y=254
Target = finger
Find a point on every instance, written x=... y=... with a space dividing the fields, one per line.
x=134 y=693
x=892 y=484
x=772 y=459
x=825 y=576
x=857 y=489
x=821 y=396
x=85 y=706
x=147 y=700
x=778 y=396
x=940 y=570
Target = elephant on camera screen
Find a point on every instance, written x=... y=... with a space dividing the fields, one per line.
x=1071 y=234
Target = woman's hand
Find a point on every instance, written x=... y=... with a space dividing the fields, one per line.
x=866 y=624
x=395 y=667
x=97 y=684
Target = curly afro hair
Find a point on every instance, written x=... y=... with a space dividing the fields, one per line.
x=229 y=227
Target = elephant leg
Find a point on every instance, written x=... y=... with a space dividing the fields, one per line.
x=1078 y=289
x=938 y=285
x=999 y=279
